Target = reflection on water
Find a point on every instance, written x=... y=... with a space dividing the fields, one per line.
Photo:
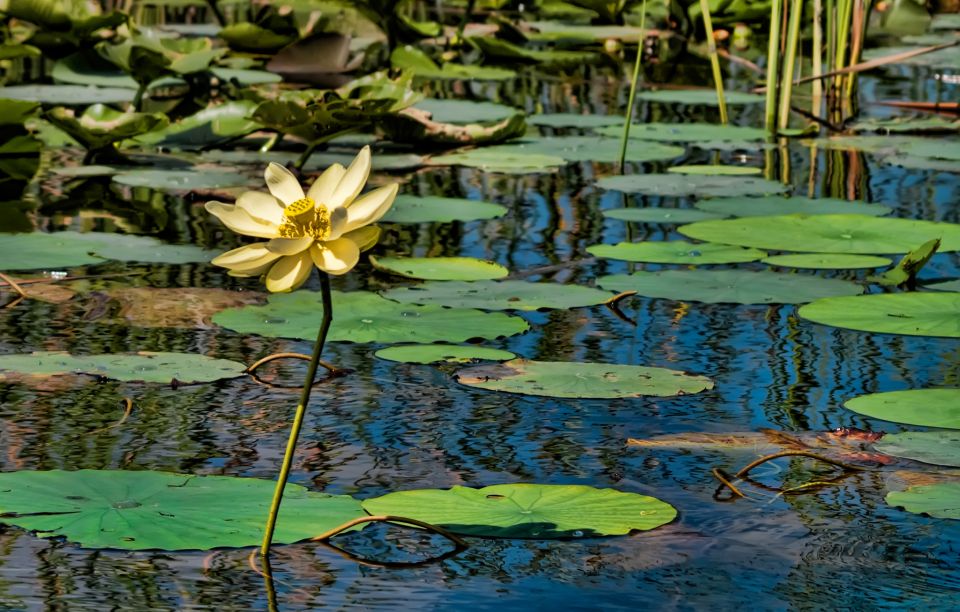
x=392 y=426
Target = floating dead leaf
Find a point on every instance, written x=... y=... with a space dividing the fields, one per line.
x=181 y=307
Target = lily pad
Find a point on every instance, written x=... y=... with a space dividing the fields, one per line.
x=574 y=120
x=142 y=510
x=465 y=111
x=181 y=180
x=950 y=285
x=705 y=97
x=934 y=447
x=508 y=159
x=499 y=295
x=442 y=353
x=913 y=314
x=729 y=286
x=797 y=205
x=714 y=170
x=440 y=268
x=434 y=209
x=68 y=249
x=926 y=407
x=827 y=233
x=69 y=95
x=650 y=214
x=676 y=252
x=211 y=126
x=592 y=149
x=689 y=132
x=907 y=125
x=582 y=380
x=528 y=510
x=940 y=500
x=361 y=316
x=144 y=366
x=827 y=261
x=422 y=65
x=678 y=185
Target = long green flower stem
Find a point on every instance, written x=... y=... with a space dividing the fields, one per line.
x=298 y=416
x=714 y=60
x=773 y=67
x=817 y=103
x=628 y=115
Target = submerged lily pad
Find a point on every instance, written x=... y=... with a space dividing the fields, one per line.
x=574 y=120
x=499 y=295
x=210 y=126
x=142 y=510
x=676 y=252
x=434 y=209
x=826 y=233
x=440 y=268
x=528 y=510
x=67 y=249
x=927 y=407
x=143 y=366
x=797 y=205
x=69 y=95
x=651 y=214
x=940 y=500
x=950 y=285
x=582 y=380
x=729 y=286
x=361 y=316
x=912 y=314
x=707 y=97
x=827 y=261
x=445 y=353
x=934 y=447
x=695 y=133
x=690 y=185
x=715 y=170
x=181 y=180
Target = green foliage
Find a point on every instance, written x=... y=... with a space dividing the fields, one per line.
x=796 y=205
x=827 y=261
x=440 y=268
x=940 y=500
x=62 y=26
x=61 y=250
x=934 y=447
x=676 y=252
x=926 y=407
x=499 y=295
x=905 y=272
x=211 y=126
x=138 y=367
x=442 y=353
x=101 y=126
x=146 y=55
x=912 y=314
x=415 y=60
x=436 y=209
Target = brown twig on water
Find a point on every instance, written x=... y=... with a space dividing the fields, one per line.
x=13 y=285
x=389 y=518
x=250 y=370
x=797 y=453
x=725 y=482
x=614 y=305
x=128 y=409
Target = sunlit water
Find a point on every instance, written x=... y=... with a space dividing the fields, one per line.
x=392 y=426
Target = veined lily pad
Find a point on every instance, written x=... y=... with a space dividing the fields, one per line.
x=689 y=185
x=706 y=97
x=652 y=214
x=508 y=159
x=440 y=268
x=100 y=125
x=442 y=353
x=142 y=510
x=67 y=249
x=465 y=111
x=797 y=205
x=574 y=120
x=69 y=95
x=940 y=500
x=714 y=170
x=689 y=132
x=181 y=180
x=499 y=295
x=582 y=380
x=210 y=126
x=952 y=285
x=592 y=149
x=935 y=447
x=827 y=261
x=676 y=252
x=528 y=510
x=926 y=407
x=826 y=233
x=433 y=209
x=144 y=366
x=366 y=317
x=729 y=286
x=912 y=314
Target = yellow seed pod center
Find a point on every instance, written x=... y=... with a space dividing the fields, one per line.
x=295 y=209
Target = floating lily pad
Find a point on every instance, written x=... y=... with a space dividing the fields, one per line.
x=440 y=268
x=422 y=65
x=528 y=510
x=706 y=97
x=695 y=133
x=574 y=120
x=319 y=161
x=434 y=209
x=729 y=286
x=499 y=295
x=926 y=407
x=935 y=447
x=508 y=159
x=907 y=125
x=582 y=380
x=144 y=366
x=941 y=500
x=951 y=285
x=826 y=233
x=442 y=353
x=913 y=314
x=210 y=126
x=660 y=215
x=142 y=510
x=797 y=205
x=827 y=261
x=714 y=170
x=181 y=180
x=676 y=252
x=915 y=162
x=465 y=111
x=592 y=149
x=361 y=316
x=690 y=185
x=67 y=249
x=69 y=95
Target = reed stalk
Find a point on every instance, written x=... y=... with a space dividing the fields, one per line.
x=789 y=61
x=714 y=60
x=773 y=66
x=628 y=115
x=817 y=104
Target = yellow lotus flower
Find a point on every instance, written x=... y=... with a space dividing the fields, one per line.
x=328 y=227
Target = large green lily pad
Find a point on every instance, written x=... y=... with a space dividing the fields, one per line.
x=707 y=97
x=695 y=133
x=138 y=367
x=440 y=268
x=142 y=510
x=508 y=159
x=653 y=214
x=442 y=353
x=827 y=233
x=690 y=185
x=210 y=126
x=574 y=120
x=68 y=249
x=582 y=380
x=926 y=407
x=499 y=295
x=361 y=316
x=912 y=314
x=729 y=286
x=941 y=500
x=422 y=65
x=715 y=170
x=462 y=112
x=949 y=285
x=591 y=149
x=827 y=261
x=181 y=180
x=676 y=252
x=797 y=205
x=528 y=510
x=435 y=209
x=935 y=447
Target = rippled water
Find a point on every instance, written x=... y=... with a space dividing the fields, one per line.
x=393 y=426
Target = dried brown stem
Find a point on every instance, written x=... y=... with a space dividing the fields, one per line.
x=126 y=414
x=21 y=294
x=614 y=305
x=250 y=370
x=389 y=518
x=722 y=477
x=796 y=453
